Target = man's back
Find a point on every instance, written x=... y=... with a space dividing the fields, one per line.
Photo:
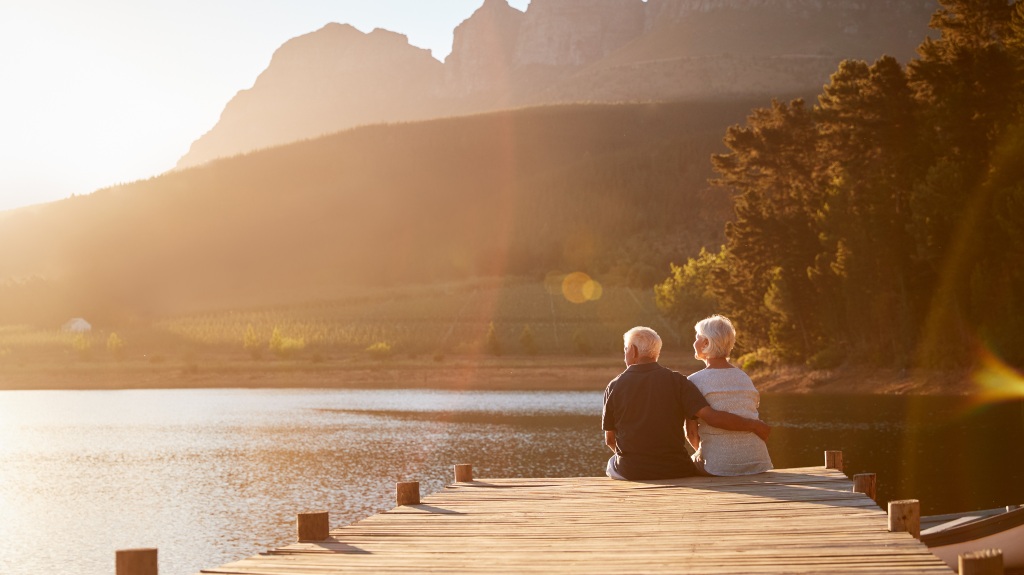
x=646 y=406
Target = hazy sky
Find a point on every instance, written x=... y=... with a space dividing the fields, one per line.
x=99 y=92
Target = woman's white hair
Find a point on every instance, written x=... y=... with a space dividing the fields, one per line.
x=720 y=333
x=646 y=340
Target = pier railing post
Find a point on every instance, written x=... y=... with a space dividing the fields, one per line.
x=135 y=562
x=865 y=483
x=905 y=515
x=834 y=460
x=408 y=492
x=982 y=562
x=313 y=526
x=464 y=473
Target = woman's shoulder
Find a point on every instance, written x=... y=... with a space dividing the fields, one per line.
x=733 y=375
x=730 y=372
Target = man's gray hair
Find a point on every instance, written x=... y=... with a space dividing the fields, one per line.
x=646 y=340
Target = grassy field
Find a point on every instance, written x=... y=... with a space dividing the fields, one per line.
x=432 y=336
x=564 y=319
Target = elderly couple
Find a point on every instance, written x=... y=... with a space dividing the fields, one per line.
x=650 y=411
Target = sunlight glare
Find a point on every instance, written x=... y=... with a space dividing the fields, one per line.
x=995 y=380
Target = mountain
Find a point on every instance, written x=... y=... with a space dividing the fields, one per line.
x=561 y=51
x=736 y=48
x=573 y=33
x=323 y=82
x=617 y=191
x=483 y=53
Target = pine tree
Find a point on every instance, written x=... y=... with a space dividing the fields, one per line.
x=115 y=345
x=866 y=116
x=773 y=167
x=969 y=81
x=688 y=294
x=252 y=342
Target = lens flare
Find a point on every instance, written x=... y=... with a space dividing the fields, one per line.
x=578 y=287
x=995 y=380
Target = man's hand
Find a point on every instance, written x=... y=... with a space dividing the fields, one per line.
x=762 y=430
x=732 y=422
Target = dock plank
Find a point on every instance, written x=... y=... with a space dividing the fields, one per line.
x=803 y=520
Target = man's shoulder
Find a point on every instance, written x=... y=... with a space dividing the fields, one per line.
x=616 y=380
x=656 y=370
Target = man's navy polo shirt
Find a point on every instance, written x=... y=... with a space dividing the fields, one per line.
x=646 y=406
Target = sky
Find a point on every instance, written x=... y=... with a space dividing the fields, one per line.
x=100 y=92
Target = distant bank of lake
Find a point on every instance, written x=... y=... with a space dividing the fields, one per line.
x=212 y=475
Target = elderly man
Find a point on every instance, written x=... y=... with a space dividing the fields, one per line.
x=645 y=410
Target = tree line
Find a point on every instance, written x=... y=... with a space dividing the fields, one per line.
x=883 y=225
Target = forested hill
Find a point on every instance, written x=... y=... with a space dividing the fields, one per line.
x=617 y=191
x=884 y=225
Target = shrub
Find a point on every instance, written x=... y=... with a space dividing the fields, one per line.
x=582 y=342
x=757 y=359
x=828 y=358
x=82 y=345
x=285 y=347
x=491 y=342
x=252 y=343
x=115 y=345
x=379 y=351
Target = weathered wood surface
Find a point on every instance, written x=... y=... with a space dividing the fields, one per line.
x=785 y=521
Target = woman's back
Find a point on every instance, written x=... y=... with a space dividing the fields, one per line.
x=725 y=452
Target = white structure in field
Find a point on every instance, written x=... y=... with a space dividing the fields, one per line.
x=76 y=325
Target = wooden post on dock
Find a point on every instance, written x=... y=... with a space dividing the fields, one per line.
x=135 y=562
x=464 y=473
x=313 y=526
x=865 y=483
x=408 y=492
x=982 y=562
x=905 y=515
x=834 y=460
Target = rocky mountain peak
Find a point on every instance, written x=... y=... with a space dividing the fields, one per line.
x=482 y=49
x=322 y=82
x=577 y=32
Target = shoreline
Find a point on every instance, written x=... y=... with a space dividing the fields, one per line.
x=527 y=373
x=866 y=381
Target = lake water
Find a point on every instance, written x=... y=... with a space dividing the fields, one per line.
x=210 y=476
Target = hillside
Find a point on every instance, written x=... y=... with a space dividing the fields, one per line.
x=616 y=191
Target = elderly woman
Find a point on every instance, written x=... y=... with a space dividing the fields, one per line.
x=726 y=388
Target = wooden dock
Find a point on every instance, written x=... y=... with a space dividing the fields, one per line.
x=803 y=520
